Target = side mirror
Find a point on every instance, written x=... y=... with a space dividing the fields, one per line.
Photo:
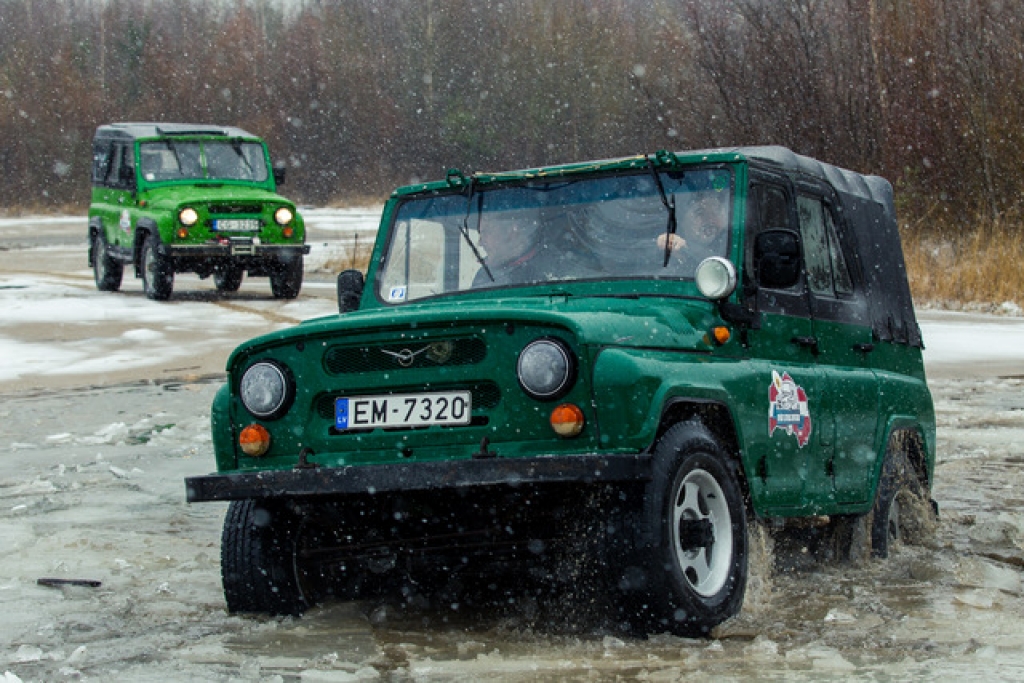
x=350 y=290
x=279 y=174
x=777 y=258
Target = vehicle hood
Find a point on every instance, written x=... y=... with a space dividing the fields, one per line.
x=634 y=321
x=201 y=193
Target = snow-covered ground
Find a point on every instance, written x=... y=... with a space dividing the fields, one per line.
x=104 y=409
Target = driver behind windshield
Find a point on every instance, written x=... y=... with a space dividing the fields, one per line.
x=704 y=228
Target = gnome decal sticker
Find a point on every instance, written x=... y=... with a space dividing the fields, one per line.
x=787 y=408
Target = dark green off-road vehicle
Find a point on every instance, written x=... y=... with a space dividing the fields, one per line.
x=621 y=363
x=172 y=198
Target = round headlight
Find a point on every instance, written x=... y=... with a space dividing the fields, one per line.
x=716 y=277
x=188 y=216
x=546 y=369
x=266 y=390
x=283 y=216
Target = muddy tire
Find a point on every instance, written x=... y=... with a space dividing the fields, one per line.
x=692 y=569
x=107 y=271
x=228 y=278
x=259 y=567
x=286 y=279
x=157 y=271
x=901 y=510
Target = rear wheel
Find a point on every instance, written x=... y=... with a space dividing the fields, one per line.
x=157 y=271
x=692 y=571
x=902 y=510
x=107 y=271
x=286 y=279
x=228 y=278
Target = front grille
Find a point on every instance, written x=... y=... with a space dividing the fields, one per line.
x=486 y=395
x=221 y=209
x=341 y=360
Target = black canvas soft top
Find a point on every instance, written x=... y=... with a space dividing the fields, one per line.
x=866 y=202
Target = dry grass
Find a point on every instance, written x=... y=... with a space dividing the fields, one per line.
x=355 y=256
x=975 y=264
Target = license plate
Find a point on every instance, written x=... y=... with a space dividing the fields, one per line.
x=403 y=410
x=236 y=224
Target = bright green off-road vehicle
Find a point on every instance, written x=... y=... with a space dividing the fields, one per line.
x=171 y=198
x=618 y=365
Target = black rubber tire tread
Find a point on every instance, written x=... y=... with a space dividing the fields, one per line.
x=107 y=272
x=899 y=479
x=286 y=279
x=666 y=601
x=257 y=565
x=159 y=285
x=228 y=278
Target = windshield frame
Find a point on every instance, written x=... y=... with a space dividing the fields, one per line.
x=458 y=213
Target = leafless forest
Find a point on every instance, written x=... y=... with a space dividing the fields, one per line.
x=358 y=95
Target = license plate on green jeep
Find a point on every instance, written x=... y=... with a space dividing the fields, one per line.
x=403 y=410
x=236 y=224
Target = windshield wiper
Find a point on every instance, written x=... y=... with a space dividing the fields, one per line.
x=237 y=146
x=464 y=228
x=670 y=205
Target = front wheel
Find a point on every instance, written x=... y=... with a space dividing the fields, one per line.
x=286 y=279
x=107 y=271
x=693 y=562
x=259 y=560
x=157 y=271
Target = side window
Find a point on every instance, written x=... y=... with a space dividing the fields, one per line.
x=840 y=271
x=121 y=171
x=827 y=271
x=774 y=210
x=101 y=156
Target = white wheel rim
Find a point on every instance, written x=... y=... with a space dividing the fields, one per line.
x=699 y=498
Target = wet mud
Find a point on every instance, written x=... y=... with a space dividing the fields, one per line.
x=91 y=491
x=92 y=501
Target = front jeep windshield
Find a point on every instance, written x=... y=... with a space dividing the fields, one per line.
x=202 y=160
x=595 y=228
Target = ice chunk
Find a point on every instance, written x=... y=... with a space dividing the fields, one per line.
x=28 y=653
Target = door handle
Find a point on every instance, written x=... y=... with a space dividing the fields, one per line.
x=864 y=348
x=807 y=342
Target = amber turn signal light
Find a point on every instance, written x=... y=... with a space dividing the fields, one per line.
x=721 y=334
x=254 y=440
x=567 y=420
x=182 y=233
x=288 y=232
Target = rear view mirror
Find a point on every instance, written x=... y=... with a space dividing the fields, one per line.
x=350 y=290
x=777 y=258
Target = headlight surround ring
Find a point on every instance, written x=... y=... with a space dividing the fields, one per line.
x=546 y=369
x=267 y=389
